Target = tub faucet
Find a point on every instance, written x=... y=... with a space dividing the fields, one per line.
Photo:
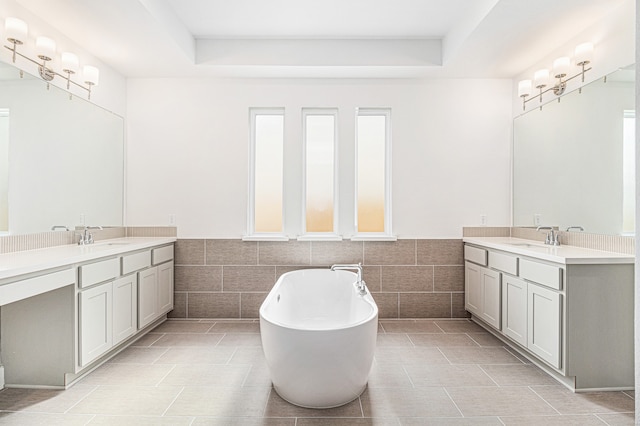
x=553 y=238
x=360 y=284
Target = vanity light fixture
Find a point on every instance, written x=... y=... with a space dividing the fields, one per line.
x=16 y=31
x=561 y=68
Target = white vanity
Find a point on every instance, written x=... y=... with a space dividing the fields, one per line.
x=568 y=309
x=65 y=310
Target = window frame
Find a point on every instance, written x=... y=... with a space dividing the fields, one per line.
x=320 y=236
x=251 y=222
x=387 y=233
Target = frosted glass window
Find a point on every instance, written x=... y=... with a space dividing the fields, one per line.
x=268 y=145
x=372 y=134
x=320 y=138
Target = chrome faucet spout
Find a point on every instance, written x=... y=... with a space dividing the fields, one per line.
x=86 y=237
x=553 y=237
x=357 y=267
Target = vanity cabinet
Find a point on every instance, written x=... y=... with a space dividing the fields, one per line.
x=95 y=317
x=82 y=314
x=544 y=312
x=573 y=319
x=125 y=308
x=514 y=308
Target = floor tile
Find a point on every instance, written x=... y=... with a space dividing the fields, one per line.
x=28 y=419
x=442 y=340
x=518 y=375
x=207 y=375
x=559 y=420
x=102 y=420
x=240 y=339
x=188 y=340
x=567 y=402
x=393 y=339
x=410 y=326
x=244 y=421
x=459 y=326
x=332 y=421
x=448 y=375
x=497 y=401
x=397 y=402
x=389 y=376
x=128 y=374
x=196 y=355
x=408 y=356
x=182 y=327
x=138 y=355
x=479 y=356
x=128 y=400
x=248 y=355
x=278 y=407
x=220 y=402
x=147 y=339
x=43 y=400
x=622 y=419
x=486 y=339
x=235 y=327
x=258 y=376
x=446 y=421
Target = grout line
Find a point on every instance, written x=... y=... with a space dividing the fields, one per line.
x=546 y=402
x=172 y=402
x=452 y=401
x=95 y=387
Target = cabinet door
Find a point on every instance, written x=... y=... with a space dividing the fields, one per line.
x=490 y=310
x=514 y=309
x=95 y=326
x=165 y=287
x=125 y=308
x=544 y=323
x=472 y=288
x=147 y=296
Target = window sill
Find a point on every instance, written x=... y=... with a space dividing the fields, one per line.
x=374 y=237
x=265 y=237
x=320 y=237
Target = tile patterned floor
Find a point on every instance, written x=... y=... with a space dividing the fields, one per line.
x=426 y=372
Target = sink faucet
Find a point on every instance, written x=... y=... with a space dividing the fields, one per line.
x=360 y=284
x=86 y=237
x=578 y=227
x=54 y=227
x=553 y=238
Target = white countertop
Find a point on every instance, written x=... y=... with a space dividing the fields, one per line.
x=561 y=254
x=29 y=261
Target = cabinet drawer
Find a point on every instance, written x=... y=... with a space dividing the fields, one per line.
x=503 y=262
x=98 y=272
x=475 y=255
x=19 y=290
x=162 y=254
x=547 y=275
x=136 y=262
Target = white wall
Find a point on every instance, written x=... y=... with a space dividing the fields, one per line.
x=188 y=150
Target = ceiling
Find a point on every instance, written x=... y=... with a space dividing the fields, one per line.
x=329 y=38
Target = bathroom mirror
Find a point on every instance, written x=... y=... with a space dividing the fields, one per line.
x=61 y=159
x=573 y=161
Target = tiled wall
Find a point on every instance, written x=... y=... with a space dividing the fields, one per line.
x=230 y=278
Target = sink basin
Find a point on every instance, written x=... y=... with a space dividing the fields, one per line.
x=527 y=245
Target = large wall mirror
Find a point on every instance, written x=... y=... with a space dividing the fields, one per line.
x=574 y=160
x=61 y=159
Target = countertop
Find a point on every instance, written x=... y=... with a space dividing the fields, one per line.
x=29 y=261
x=560 y=254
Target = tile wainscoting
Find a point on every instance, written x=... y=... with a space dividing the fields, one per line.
x=409 y=278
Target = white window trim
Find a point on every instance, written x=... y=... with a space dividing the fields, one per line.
x=252 y=235
x=387 y=235
x=320 y=236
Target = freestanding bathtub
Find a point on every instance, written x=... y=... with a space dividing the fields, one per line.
x=319 y=336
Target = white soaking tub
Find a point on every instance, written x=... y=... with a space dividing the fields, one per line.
x=319 y=336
